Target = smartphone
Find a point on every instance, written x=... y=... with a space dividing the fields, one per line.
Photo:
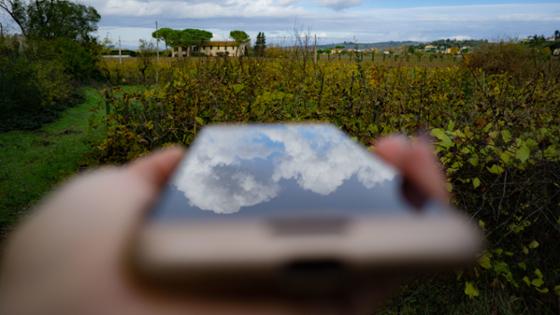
x=296 y=205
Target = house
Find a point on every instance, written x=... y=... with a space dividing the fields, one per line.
x=453 y=51
x=336 y=51
x=430 y=48
x=215 y=48
x=222 y=48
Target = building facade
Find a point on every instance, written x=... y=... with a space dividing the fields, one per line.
x=214 y=49
x=224 y=48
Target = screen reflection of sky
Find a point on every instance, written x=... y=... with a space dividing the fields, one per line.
x=264 y=170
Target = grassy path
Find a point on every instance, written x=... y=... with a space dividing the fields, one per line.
x=32 y=162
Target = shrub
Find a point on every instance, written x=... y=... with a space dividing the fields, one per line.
x=517 y=60
x=32 y=89
x=495 y=125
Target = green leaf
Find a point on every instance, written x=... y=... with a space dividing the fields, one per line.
x=557 y=290
x=522 y=265
x=238 y=88
x=485 y=261
x=527 y=281
x=538 y=273
x=534 y=244
x=496 y=169
x=476 y=183
x=451 y=125
x=470 y=290
x=543 y=290
x=199 y=120
x=482 y=224
x=474 y=161
x=505 y=157
x=506 y=135
x=538 y=282
x=522 y=154
x=373 y=129
x=443 y=138
x=449 y=187
x=551 y=152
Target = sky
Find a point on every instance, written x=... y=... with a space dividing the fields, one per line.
x=331 y=20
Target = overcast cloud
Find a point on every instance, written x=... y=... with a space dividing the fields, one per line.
x=332 y=20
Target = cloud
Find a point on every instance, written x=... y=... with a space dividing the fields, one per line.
x=340 y=4
x=198 y=9
x=277 y=19
x=220 y=173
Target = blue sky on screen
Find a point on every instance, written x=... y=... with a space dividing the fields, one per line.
x=332 y=20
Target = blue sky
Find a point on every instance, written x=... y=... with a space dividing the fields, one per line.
x=332 y=20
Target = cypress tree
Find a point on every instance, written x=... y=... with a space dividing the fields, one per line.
x=260 y=45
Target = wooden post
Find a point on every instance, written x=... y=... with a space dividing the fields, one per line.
x=120 y=51
x=157 y=55
x=315 y=50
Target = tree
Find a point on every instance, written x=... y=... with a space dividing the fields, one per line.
x=239 y=36
x=557 y=35
x=185 y=38
x=53 y=19
x=168 y=36
x=260 y=45
x=193 y=37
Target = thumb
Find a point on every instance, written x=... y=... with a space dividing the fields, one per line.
x=157 y=167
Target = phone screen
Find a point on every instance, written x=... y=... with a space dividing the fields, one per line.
x=290 y=170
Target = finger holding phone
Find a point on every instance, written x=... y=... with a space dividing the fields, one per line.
x=68 y=256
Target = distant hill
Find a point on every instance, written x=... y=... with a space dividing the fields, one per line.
x=380 y=45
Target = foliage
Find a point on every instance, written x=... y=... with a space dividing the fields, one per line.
x=52 y=19
x=182 y=38
x=239 y=36
x=33 y=89
x=260 y=45
x=496 y=130
x=42 y=69
x=167 y=35
x=514 y=59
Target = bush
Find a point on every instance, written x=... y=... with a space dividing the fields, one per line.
x=34 y=88
x=496 y=127
x=517 y=60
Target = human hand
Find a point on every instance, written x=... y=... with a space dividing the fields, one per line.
x=67 y=258
x=415 y=159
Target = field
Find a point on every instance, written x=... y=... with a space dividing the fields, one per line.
x=493 y=116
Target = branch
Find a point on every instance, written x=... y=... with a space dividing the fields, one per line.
x=7 y=6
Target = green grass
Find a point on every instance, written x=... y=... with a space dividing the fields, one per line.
x=32 y=162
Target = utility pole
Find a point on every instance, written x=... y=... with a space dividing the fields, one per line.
x=1 y=30
x=157 y=54
x=120 y=51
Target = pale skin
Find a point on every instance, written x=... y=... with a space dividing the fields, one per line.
x=66 y=258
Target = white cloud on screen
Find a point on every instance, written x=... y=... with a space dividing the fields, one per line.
x=213 y=180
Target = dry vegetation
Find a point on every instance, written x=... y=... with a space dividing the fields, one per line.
x=493 y=114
